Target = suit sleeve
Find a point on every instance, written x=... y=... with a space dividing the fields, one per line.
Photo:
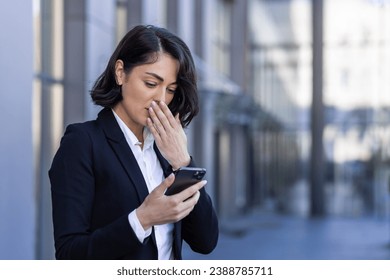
x=73 y=188
x=200 y=228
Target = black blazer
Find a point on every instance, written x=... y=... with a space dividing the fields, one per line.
x=96 y=183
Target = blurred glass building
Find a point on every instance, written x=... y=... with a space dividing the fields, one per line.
x=257 y=79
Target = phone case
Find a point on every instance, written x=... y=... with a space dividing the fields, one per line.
x=184 y=178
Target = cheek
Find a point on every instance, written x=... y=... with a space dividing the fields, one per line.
x=131 y=95
x=169 y=99
x=126 y=92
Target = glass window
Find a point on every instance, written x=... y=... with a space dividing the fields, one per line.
x=121 y=19
x=356 y=95
x=221 y=37
x=280 y=82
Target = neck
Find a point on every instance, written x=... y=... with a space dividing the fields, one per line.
x=138 y=130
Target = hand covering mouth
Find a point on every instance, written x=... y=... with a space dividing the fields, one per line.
x=157 y=101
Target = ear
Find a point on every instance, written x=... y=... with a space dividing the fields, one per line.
x=119 y=72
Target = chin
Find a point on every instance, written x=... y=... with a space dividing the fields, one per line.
x=144 y=121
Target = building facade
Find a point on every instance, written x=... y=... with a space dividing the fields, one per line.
x=253 y=133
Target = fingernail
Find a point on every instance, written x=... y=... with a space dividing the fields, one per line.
x=153 y=103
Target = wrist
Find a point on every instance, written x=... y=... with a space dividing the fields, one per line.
x=142 y=218
x=176 y=166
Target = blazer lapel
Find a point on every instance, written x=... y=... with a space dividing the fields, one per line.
x=122 y=150
x=166 y=167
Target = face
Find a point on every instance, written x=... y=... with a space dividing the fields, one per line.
x=145 y=83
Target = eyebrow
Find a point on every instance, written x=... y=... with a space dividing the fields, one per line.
x=158 y=77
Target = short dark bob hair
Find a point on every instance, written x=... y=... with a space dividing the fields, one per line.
x=141 y=45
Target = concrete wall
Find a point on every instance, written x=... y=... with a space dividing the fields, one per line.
x=17 y=192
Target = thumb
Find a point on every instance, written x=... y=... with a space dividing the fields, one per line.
x=166 y=183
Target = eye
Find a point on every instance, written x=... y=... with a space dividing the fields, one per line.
x=150 y=84
x=172 y=90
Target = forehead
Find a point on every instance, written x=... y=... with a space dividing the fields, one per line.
x=165 y=66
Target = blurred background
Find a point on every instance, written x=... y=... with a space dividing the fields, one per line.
x=294 y=127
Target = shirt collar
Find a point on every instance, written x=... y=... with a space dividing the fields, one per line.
x=148 y=138
x=130 y=136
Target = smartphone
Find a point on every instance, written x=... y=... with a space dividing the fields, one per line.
x=185 y=177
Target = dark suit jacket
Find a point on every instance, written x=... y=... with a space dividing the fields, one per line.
x=96 y=183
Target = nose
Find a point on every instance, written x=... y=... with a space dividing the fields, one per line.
x=162 y=95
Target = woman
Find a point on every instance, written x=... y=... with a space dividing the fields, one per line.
x=109 y=176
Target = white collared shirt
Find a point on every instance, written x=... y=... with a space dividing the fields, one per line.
x=153 y=174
